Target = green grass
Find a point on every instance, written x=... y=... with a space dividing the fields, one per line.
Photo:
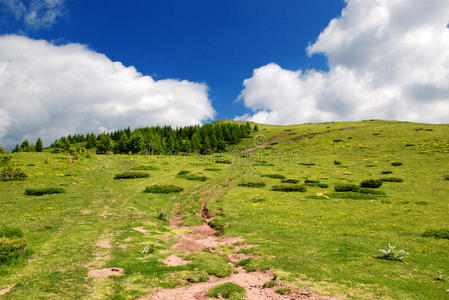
x=227 y=290
x=329 y=243
x=144 y=168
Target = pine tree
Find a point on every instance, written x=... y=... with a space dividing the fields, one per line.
x=16 y=149
x=2 y=150
x=213 y=141
x=256 y=128
x=91 y=141
x=235 y=137
x=39 y=145
x=123 y=144
x=104 y=144
x=136 y=142
x=206 y=148
x=25 y=147
x=196 y=145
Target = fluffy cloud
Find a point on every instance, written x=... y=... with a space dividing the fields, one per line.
x=387 y=59
x=36 y=13
x=50 y=91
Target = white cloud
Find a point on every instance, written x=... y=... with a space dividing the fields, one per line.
x=387 y=59
x=50 y=91
x=36 y=14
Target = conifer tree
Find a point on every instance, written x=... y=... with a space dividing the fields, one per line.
x=206 y=148
x=91 y=141
x=196 y=145
x=16 y=149
x=136 y=142
x=104 y=144
x=39 y=145
x=123 y=144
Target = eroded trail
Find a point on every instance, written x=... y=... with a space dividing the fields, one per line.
x=204 y=237
x=270 y=141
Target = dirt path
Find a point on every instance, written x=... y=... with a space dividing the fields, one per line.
x=272 y=140
x=204 y=236
x=304 y=136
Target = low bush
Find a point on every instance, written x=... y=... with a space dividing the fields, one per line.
x=350 y=195
x=387 y=172
x=269 y=284
x=396 y=163
x=391 y=253
x=257 y=200
x=43 y=191
x=337 y=140
x=437 y=233
x=275 y=176
x=227 y=290
x=337 y=162
x=252 y=184
x=10 y=173
x=247 y=265
x=162 y=215
x=318 y=184
x=289 y=188
x=144 y=168
x=163 y=189
x=283 y=291
x=391 y=179
x=197 y=177
x=11 y=247
x=213 y=169
x=306 y=164
x=262 y=164
x=183 y=173
x=354 y=188
x=294 y=181
x=223 y=161
x=311 y=181
x=446 y=177
x=131 y=175
x=371 y=183
x=10 y=232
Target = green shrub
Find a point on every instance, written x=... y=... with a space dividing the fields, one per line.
x=5 y=160
x=337 y=162
x=350 y=195
x=10 y=232
x=371 y=183
x=247 y=265
x=275 y=176
x=269 y=284
x=283 y=291
x=391 y=253
x=144 y=168
x=337 y=140
x=10 y=173
x=446 y=177
x=213 y=169
x=387 y=172
x=262 y=163
x=183 y=173
x=391 y=179
x=317 y=184
x=196 y=177
x=163 y=189
x=396 y=163
x=437 y=233
x=43 y=191
x=354 y=188
x=227 y=290
x=131 y=175
x=289 y=188
x=252 y=184
x=293 y=181
x=162 y=215
x=257 y=200
x=311 y=181
x=223 y=161
x=11 y=247
x=306 y=164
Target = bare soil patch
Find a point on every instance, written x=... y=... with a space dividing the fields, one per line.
x=174 y=260
x=106 y=272
x=141 y=229
x=6 y=290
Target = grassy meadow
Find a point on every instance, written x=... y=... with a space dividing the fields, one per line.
x=319 y=239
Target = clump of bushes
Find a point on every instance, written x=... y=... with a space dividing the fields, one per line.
x=223 y=161
x=437 y=233
x=43 y=191
x=337 y=162
x=131 y=175
x=275 y=176
x=387 y=172
x=342 y=187
x=371 y=183
x=252 y=184
x=396 y=163
x=163 y=189
x=393 y=254
x=317 y=184
x=391 y=179
x=213 y=169
x=12 y=243
x=289 y=188
x=190 y=176
x=144 y=168
x=227 y=290
x=10 y=173
x=293 y=181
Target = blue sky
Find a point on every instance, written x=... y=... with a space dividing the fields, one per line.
x=71 y=66
x=217 y=42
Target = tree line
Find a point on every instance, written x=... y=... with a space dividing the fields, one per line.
x=204 y=139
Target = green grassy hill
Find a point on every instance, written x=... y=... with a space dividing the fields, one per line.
x=317 y=239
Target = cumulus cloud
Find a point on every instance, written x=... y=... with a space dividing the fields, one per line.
x=50 y=91
x=36 y=14
x=387 y=59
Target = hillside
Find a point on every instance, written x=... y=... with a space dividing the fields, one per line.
x=284 y=202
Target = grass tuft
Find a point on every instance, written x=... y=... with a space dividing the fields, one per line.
x=437 y=233
x=391 y=179
x=289 y=188
x=227 y=290
x=275 y=176
x=252 y=184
